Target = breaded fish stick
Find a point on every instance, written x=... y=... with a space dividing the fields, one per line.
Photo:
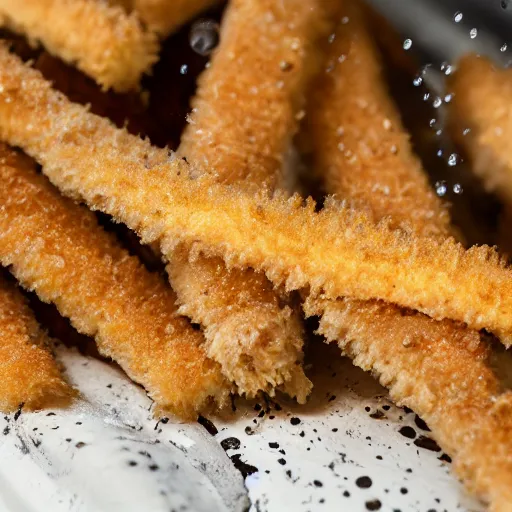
x=166 y=16
x=243 y=120
x=57 y=249
x=101 y=40
x=481 y=120
x=437 y=368
x=361 y=149
x=29 y=375
x=337 y=252
x=244 y=113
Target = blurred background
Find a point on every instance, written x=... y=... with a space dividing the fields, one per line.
x=440 y=31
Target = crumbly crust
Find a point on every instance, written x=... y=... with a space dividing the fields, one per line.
x=56 y=248
x=102 y=40
x=336 y=252
x=29 y=375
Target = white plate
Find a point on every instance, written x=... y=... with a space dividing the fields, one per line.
x=342 y=451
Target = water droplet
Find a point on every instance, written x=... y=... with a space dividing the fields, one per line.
x=432 y=122
x=441 y=188
x=503 y=48
x=473 y=33
x=466 y=131
x=204 y=36
x=426 y=96
x=344 y=20
x=448 y=98
x=184 y=69
x=439 y=153
x=453 y=159
x=437 y=102
x=457 y=188
x=458 y=17
x=407 y=44
x=332 y=37
x=417 y=81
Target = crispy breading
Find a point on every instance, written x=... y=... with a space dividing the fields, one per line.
x=166 y=16
x=57 y=249
x=253 y=332
x=337 y=252
x=361 y=149
x=244 y=114
x=481 y=120
x=29 y=375
x=243 y=120
x=437 y=368
x=101 y=40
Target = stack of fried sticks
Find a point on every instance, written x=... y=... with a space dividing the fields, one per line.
x=378 y=263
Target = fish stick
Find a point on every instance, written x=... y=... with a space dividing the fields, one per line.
x=56 y=248
x=166 y=16
x=437 y=368
x=337 y=252
x=29 y=375
x=440 y=370
x=243 y=120
x=103 y=41
x=361 y=149
x=253 y=92
x=481 y=121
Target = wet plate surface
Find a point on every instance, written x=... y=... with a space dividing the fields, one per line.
x=350 y=448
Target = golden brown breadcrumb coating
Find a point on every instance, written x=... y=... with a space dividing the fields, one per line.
x=101 y=40
x=166 y=16
x=253 y=332
x=29 y=375
x=243 y=120
x=361 y=149
x=244 y=113
x=481 y=120
x=337 y=252
x=57 y=249
x=437 y=368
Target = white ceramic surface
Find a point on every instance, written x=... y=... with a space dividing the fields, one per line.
x=108 y=454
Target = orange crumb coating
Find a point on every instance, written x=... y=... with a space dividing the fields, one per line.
x=57 y=249
x=337 y=252
x=481 y=120
x=253 y=332
x=439 y=369
x=245 y=112
x=29 y=375
x=361 y=149
x=243 y=120
x=101 y=40
x=167 y=16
